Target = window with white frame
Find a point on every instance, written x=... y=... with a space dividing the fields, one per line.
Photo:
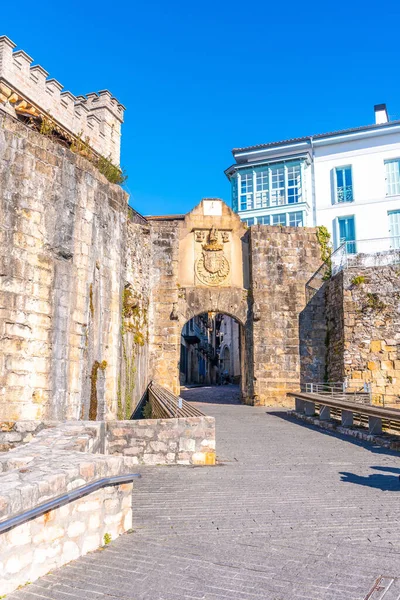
x=234 y=195
x=278 y=195
x=296 y=219
x=293 y=184
x=262 y=189
x=344 y=184
x=278 y=219
x=265 y=220
x=249 y=221
x=272 y=185
x=392 y=168
x=246 y=191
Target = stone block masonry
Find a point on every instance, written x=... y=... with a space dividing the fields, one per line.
x=282 y=261
x=182 y=441
x=31 y=550
x=13 y=434
x=351 y=330
x=370 y=312
x=60 y=458
x=67 y=252
x=26 y=88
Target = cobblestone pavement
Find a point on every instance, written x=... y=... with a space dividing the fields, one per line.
x=290 y=513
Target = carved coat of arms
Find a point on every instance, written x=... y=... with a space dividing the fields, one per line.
x=212 y=268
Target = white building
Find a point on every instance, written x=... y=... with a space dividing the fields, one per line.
x=347 y=180
x=229 y=352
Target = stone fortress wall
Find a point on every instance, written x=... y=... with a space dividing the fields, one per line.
x=67 y=253
x=282 y=261
x=350 y=330
x=97 y=116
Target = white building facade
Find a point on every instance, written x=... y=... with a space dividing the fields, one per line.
x=348 y=181
x=229 y=351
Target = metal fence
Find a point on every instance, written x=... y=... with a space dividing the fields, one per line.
x=377 y=252
x=351 y=391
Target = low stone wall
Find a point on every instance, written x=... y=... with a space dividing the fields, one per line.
x=59 y=459
x=63 y=457
x=33 y=549
x=182 y=441
x=14 y=433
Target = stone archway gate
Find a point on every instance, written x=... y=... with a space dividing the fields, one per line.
x=209 y=261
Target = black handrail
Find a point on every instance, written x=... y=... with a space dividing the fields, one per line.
x=79 y=492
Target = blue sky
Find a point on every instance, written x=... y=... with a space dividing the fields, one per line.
x=201 y=78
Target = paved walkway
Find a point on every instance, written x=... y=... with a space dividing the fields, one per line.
x=291 y=512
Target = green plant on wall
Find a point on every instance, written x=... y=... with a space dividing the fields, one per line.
x=374 y=302
x=47 y=126
x=358 y=280
x=81 y=145
x=113 y=173
x=93 y=388
x=133 y=336
x=324 y=240
x=107 y=538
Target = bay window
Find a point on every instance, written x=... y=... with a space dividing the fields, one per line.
x=264 y=187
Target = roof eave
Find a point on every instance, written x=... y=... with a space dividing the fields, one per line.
x=318 y=138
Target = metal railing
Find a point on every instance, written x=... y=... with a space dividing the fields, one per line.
x=84 y=490
x=136 y=217
x=351 y=391
x=376 y=252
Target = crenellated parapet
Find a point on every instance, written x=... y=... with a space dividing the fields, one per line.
x=28 y=90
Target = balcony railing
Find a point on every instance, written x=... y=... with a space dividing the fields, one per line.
x=344 y=194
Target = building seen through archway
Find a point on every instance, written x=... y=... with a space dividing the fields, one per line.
x=210 y=350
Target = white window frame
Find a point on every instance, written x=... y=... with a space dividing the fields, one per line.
x=248 y=177
x=388 y=162
x=296 y=212
x=342 y=168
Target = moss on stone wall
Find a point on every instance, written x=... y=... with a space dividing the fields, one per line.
x=93 y=388
x=134 y=334
x=324 y=240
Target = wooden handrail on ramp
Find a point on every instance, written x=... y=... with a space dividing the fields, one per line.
x=166 y=405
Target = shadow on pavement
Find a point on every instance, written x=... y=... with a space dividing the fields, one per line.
x=212 y=394
x=381 y=482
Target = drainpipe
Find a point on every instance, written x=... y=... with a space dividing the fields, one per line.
x=314 y=203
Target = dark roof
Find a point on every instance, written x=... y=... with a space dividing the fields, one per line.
x=165 y=218
x=318 y=136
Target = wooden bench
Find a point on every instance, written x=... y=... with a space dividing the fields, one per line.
x=305 y=404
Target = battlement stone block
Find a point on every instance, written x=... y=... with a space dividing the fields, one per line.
x=96 y=115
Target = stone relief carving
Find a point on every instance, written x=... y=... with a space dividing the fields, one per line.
x=174 y=313
x=200 y=236
x=212 y=268
x=256 y=312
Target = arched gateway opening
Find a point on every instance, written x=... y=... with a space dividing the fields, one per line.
x=211 y=351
